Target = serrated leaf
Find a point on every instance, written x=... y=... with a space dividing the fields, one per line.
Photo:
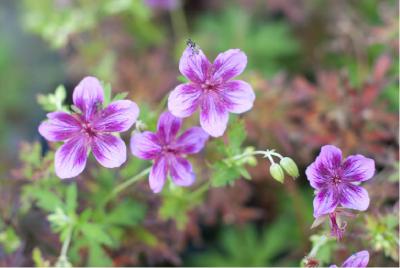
x=95 y=232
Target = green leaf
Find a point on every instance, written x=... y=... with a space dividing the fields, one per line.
x=95 y=232
x=120 y=96
x=127 y=213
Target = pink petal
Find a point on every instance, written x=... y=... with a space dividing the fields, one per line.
x=88 y=96
x=60 y=126
x=325 y=202
x=145 y=145
x=181 y=171
x=325 y=166
x=359 y=259
x=168 y=126
x=158 y=174
x=184 y=100
x=228 y=65
x=330 y=157
x=213 y=116
x=118 y=116
x=70 y=158
x=358 y=168
x=317 y=181
x=194 y=66
x=191 y=141
x=109 y=150
x=238 y=95
x=354 y=197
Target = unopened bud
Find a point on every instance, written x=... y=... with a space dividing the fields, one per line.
x=289 y=166
x=276 y=172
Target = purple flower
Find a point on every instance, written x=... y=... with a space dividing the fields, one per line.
x=359 y=259
x=167 y=150
x=90 y=129
x=211 y=89
x=336 y=182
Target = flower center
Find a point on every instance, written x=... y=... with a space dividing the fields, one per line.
x=87 y=129
x=336 y=180
x=208 y=85
x=168 y=149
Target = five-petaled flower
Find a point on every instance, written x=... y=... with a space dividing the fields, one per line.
x=89 y=129
x=167 y=150
x=359 y=259
x=336 y=182
x=211 y=89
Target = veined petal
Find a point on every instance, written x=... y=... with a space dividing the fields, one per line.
x=181 y=171
x=184 y=100
x=168 y=126
x=145 y=145
x=354 y=197
x=228 y=65
x=358 y=168
x=191 y=141
x=70 y=158
x=213 y=116
x=60 y=126
x=194 y=66
x=330 y=157
x=359 y=259
x=109 y=150
x=238 y=96
x=317 y=181
x=118 y=116
x=88 y=95
x=158 y=174
x=325 y=202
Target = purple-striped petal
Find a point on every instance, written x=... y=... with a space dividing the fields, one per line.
x=238 y=96
x=118 y=116
x=359 y=259
x=354 y=197
x=181 y=171
x=191 y=141
x=330 y=157
x=145 y=145
x=70 y=158
x=158 y=174
x=109 y=150
x=317 y=181
x=325 y=202
x=184 y=100
x=213 y=116
x=228 y=65
x=358 y=168
x=194 y=65
x=60 y=126
x=88 y=96
x=168 y=126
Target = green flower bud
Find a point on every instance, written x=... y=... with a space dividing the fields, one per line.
x=276 y=172
x=289 y=166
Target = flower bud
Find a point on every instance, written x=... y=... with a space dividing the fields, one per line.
x=276 y=172
x=289 y=166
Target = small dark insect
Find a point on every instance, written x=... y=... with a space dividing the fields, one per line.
x=193 y=46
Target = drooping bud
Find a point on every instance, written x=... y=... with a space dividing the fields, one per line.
x=289 y=166
x=276 y=172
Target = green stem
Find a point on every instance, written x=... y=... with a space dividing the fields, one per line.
x=266 y=154
x=127 y=183
x=63 y=259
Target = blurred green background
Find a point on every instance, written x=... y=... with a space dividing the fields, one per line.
x=324 y=71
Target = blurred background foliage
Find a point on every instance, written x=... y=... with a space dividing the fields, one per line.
x=324 y=71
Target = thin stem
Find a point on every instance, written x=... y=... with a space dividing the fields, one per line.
x=128 y=182
x=63 y=259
